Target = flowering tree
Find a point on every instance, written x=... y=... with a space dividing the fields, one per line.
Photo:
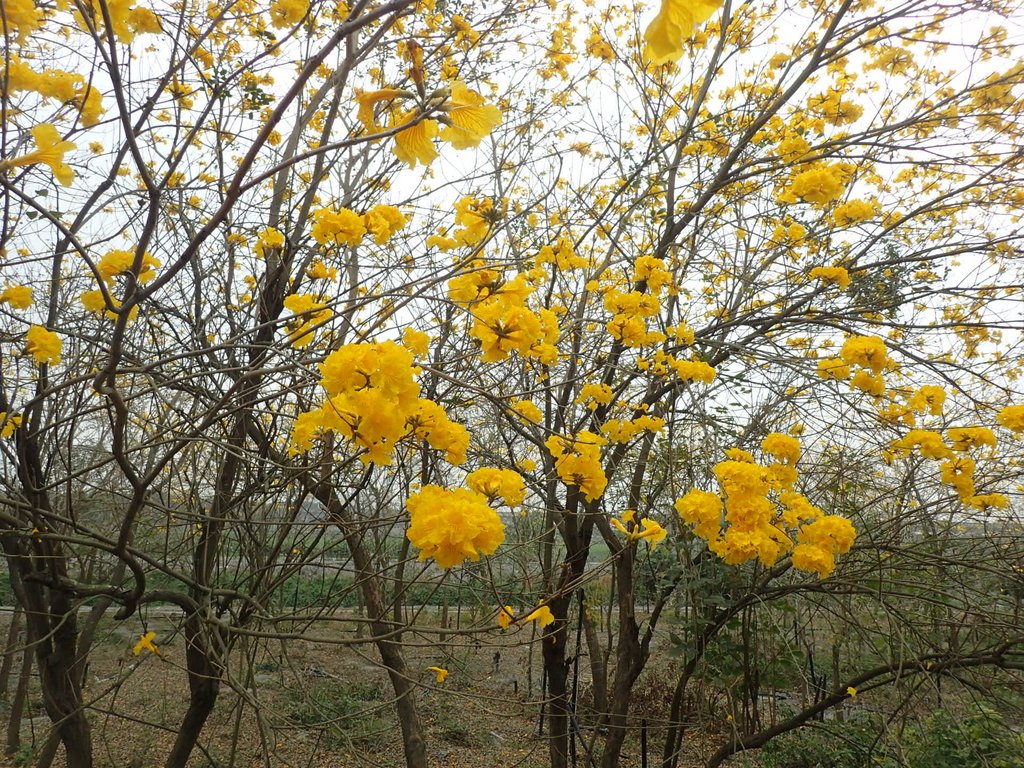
x=259 y=262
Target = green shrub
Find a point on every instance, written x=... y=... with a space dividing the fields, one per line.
x=981 y=739
x=346 y=712
x=829 y=745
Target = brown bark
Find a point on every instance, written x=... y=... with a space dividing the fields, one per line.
x=10 y=651
x=204 y=676
x=413 y=742
x=630 y=658
x=598 y=666
x=13 y=740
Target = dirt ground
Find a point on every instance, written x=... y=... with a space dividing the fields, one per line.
x=327 y=703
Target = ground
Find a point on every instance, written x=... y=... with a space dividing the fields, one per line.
x=326 y=703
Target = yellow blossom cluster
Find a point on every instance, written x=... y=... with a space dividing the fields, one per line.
x=416 y=342
x=562 y=255
x=373 y=403
x=819 y=541
x=642 y=529
x=22 y=17
x=286 y=13
x=452 y=525
x=560 y=51
x=835 y=107
x=268 y=239
x=94 y=302
x=928 y=398
x=317 y=270
x=818 y=184
x=467 y=120
x=528 y=410
x=50 y=151
x=955 y=468
x=868 y=354
x=473 y=220
x=309 y=314
x=1012 y=417
x=598 y=47
x=502 y=322
x=630 y=311
x=853 y=212
x=9 y=423
x=43 y=344
x=116 y=263
x=494 y=483
x=757 y=511
x=125 y=20
x=837 y=276
x=59 y=85
x=343 y=226
x=673 y=26
x=542 y=615
x=651 y=271
x=595 y=395
x=578 y=462
x=17 y=296
x=623 y=430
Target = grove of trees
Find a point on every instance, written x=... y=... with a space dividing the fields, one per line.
x=680 y=342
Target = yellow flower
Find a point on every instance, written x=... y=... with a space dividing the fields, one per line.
x=835 y=275
x=9 y=423
x=440 y=673
x=50 y=149
x=383 y=221
x=1012 y=417
x=320 y=271
x=18 y=296
x=145 y=643
x=144 y=21
x=309 y=314
x=494 y=483
x=818 y=185
x=808 y=557
x=645 y=529
x=865 y=351
x=94 y=302
x=851 y=691
x=452 y=525
x=468 y=120
x=116 y=263
x=415 y=144
x=416 y=342
x=673 y=25
x=833 y=368
x=528 y=410
x=578 y=462
x=785 y=448
x=506 y=616
x=965 y=438
x=269 y=238
x=368 y=100
x=343 y=227
x=284 y=13
x=44 y=345
x=23 y=17
x=541 y=615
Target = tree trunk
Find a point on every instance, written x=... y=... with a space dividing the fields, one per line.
x=204 y=676
x=556 y=668
x=413 y=742
x=598 y=667
x=10 y=654
x=13 y=741
x=630 y=658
